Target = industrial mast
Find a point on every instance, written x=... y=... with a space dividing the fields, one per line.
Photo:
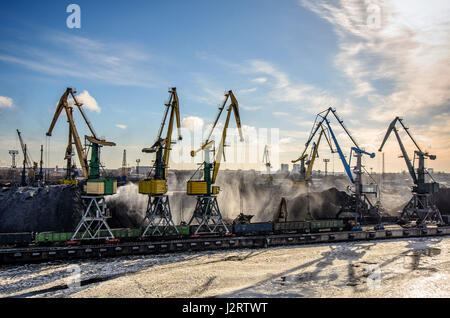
x=28 y=163
x=207 y=213
x=158 y=219
x=266 y=161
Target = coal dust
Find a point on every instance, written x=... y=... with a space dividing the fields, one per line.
x=59 y=207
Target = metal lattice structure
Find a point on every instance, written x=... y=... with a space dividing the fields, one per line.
x=93 y=223
x=158 y=219
x=207 y=215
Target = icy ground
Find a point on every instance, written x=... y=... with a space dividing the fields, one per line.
x=394 y=268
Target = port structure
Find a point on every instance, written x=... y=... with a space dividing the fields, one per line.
x=158 y=218
x=207 y=213
x=420 y=208
x=305 y=174
x=360 y=206
x=93 y=223
x=29 y=170
x=267 y=164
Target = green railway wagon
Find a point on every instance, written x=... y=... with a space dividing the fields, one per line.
x=293 y=226
x=134 y=233
x=55 y=237
x=182 y=230
x=318 y=225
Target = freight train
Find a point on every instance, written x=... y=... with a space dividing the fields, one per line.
x=184 y=231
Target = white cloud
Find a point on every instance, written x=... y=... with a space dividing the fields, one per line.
x=250 y=108
x=87 y=100
x=280 y=114
x=192 y=123
x=248 y=90
x=408 y=49
x=6 y=101
x=121 y=126
x=259 y=80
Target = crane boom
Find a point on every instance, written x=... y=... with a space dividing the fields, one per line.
x=235 y=107
x=341 y=154
x=314 y=151
x=64 y=104
x=73 y=133
x=25 y=152
x=402 y=147
x=157 y=183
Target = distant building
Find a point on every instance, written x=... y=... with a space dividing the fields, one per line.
x=284 y=167
x=296 y=168
x=144 y=169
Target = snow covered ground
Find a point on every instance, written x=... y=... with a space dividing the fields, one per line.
x=394 y=268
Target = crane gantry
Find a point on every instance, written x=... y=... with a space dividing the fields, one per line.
x=420 y=208
x=207 y=213
x=158 y=217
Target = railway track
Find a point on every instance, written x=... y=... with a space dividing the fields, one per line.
x=35 y=254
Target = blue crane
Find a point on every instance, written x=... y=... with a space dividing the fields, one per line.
x=360 y=205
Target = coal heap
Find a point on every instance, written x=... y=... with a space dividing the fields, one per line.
x=30 y=209
x=317 y=205
x=442 y=200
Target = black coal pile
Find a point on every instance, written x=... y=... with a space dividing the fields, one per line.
x=317 y=205
x=51 y=208
x=127 y=207
x=442 y=200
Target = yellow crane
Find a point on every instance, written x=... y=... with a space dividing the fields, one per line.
x=207 y=213
x=313 y=155
x=158 y=217
x=95 y=214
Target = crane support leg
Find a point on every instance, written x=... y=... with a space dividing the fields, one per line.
x=93 y=223
x=158 y=219
x=207 y=216
x=422 y=210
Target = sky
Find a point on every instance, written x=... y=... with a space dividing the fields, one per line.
x=285 y=61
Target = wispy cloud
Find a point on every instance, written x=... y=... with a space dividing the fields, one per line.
x=65 y=54
x=408 y=47
x=6 y=102
x=250 y=108
x=121 y=126
x=259 y=80
x=280 y=114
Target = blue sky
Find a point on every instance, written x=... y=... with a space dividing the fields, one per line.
x=284 y=60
